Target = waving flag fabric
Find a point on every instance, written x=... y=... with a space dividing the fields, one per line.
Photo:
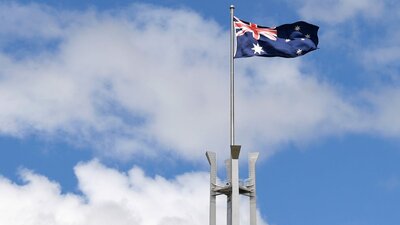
x=288 y=40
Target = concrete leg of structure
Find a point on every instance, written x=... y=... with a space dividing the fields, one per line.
x=252 y=177
x=228 y=165
x=212 y=159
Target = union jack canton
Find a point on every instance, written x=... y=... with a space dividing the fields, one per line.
x=288 y=40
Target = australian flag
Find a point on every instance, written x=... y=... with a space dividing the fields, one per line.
x=288 y=40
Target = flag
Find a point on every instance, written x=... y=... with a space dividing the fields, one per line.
x=288 y=40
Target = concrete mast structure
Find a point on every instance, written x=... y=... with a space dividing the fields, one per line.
x=233 y=188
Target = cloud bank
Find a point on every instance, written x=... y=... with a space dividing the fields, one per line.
x=151 y=80
x=110 y=197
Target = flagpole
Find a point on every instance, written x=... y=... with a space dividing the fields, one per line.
x=232 y=81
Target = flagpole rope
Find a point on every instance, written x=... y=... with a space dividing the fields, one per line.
x=232 y=80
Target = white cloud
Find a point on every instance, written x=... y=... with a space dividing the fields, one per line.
x=30 y=21
x=337 y=11
x=155 y=80
x=366 y=28
x=382 y=55
x=390 y=184
x=279 y=109
x=385 y=55
x=110 y=197
x=386 y=107
x=132 y=82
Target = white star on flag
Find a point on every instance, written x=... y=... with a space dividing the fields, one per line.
x=257 y=49
x=299 y=51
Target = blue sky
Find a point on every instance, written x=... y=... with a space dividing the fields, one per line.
x=107 y=109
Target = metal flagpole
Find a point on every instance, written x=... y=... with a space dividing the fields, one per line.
x=233 y=197
x=232 y=80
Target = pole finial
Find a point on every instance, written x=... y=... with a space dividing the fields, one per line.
x=232 y=6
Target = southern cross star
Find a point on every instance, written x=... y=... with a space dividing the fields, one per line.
x=299 y=51
x=257 y=49
x=297 y=28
